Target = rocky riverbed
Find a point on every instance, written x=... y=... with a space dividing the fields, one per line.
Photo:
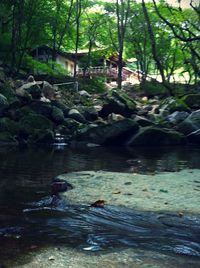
x=37 y=112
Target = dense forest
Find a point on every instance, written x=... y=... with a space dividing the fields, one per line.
x=163 y=39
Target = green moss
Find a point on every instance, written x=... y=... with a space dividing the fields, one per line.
x=192 y=100
x=6 y=137
x=153 y=88
x=30 y=123
x=125 y=99
x=9 y=125
x=8 y=92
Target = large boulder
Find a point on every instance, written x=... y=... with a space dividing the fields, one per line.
x=142 y=121
x=34 y=122
x=3 y=102
x=118 y=102
x=65 y=109
x=7 y=137
x=173 y=104
x=42 y=108
x=190 y=124
x=177 y=117
x=57 y=115
x=76 y=115
x=8 y=125
x=35 y=91
x=89 y=113
x=48 y=91
x=115 y=133
x=23 y=95
x=192 y=100
x=194 y=137
x=154 y=136
x=42 y=136
x=7 y=91
x=32 y=88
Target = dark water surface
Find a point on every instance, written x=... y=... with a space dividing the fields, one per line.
x=29 y=213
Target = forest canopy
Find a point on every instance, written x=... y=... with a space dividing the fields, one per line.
x=161 y=38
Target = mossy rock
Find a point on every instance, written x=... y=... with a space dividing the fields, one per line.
x=7 y=137
x=119 y=103
x=154 y=136
x=115 y=133
x=21 y=112
x=8 y=92
x=65 y=109
x=192 y=100
x=174 y=104
x=153 y=88
x=3 y=101
x=8 y=125
x=42 y=108
x=32 y=122
x=57 y=115
x=72 y=124
x=124 y=98
x=42 y=136
x=35 y=91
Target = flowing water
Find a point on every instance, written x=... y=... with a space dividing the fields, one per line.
x=31 y=218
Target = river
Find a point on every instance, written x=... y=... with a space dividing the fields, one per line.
x=31 y=224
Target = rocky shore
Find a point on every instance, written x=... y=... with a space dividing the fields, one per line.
x=37 y=112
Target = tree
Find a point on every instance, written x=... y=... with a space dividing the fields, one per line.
x=122 y=12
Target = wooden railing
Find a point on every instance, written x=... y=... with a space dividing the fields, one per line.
x=104 y=70
x=93 y=70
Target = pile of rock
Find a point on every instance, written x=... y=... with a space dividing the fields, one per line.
x=34 y=112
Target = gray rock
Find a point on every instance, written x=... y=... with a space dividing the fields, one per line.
x=115 y=133
x=48 y=90
x=177 y=117
x=154 y=136
x=119 y=103
x=31 y=79
x=190 y=124
x=84 y=93
x=142 y=121
x=194 y=137
x=57 y=115
x=75 y=114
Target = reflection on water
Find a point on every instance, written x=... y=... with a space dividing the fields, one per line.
x=26 y=177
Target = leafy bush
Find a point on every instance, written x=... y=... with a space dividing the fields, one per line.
x=94 y=85
x=36 y=67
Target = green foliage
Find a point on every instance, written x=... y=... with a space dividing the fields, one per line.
x=94 y=85
x=29 y=24
x=36 y=67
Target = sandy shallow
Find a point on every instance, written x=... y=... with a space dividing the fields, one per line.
x=130 y=258
x=176 y=192
x=170 y=191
